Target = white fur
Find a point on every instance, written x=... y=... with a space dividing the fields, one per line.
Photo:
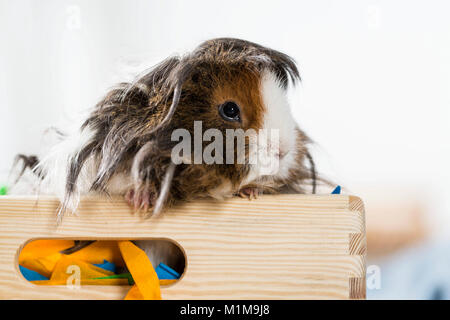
x=277 y=116
x=55 y=166
x=119 y=183
x=222 y=191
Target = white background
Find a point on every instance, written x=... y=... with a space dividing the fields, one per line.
x=375 y=94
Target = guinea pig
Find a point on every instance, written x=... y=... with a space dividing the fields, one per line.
x=126 y=144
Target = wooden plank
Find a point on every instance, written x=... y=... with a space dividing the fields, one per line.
x=276 y=247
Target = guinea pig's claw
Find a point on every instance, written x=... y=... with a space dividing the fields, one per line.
x=129 y=196
x=140 y=201
x=249 y=192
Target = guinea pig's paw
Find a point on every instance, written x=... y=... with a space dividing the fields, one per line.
x=249 y=193
x=141 y=200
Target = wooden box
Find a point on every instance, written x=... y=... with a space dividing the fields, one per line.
x=275 y=247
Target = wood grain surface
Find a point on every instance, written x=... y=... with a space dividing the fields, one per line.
x=275 y=247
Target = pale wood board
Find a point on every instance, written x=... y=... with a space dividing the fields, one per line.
x=275 y=247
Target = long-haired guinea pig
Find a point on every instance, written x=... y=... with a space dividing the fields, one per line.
x=125 y=146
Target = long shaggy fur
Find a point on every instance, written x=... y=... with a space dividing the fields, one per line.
x=124 y=146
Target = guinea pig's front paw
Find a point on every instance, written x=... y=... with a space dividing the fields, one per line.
x=141 y=200
x=249 y=193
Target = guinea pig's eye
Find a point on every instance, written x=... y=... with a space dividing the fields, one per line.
x=230 y=111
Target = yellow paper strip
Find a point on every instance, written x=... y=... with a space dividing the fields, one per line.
x=141 y=269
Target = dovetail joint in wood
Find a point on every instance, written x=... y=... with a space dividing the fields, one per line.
x=357 y=288
x=356 y=204
x=357 y=244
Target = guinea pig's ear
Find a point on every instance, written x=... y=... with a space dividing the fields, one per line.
x=283 y=66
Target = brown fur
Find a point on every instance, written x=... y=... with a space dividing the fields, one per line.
x=244 y=89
